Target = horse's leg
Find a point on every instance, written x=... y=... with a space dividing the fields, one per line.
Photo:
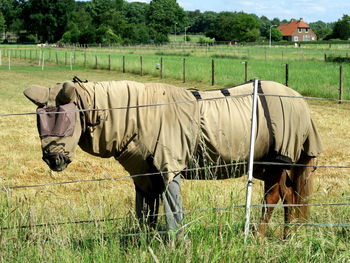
x=271 y=179
x=287 y=194
x=302 y=183
x=147 y=207
x=173 y=204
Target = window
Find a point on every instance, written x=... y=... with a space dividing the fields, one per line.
x=306 y=38
x=306 y=30
x=296 y=38
x=299 y=30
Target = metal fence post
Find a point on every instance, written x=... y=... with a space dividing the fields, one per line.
x=251 y=160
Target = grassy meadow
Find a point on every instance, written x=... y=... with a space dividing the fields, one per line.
x=308 y=73
x=209 y=235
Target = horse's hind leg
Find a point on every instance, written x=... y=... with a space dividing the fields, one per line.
x=271 y=178
x=173 y=204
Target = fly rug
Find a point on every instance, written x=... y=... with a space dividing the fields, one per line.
x=161 y=129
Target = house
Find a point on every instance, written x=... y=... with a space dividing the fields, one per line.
x=297 y=31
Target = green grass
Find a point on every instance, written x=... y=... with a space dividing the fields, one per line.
x=211 y=236
x=308 y=73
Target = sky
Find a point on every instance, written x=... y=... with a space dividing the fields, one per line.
x=309 y=10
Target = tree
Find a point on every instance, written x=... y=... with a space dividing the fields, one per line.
x=2 y=23
x=135 y=12
x=276 y=34
x=11 y=10
x=204 y=23
x=106 y=35
x=47 y=19
x=162 y=18
x=239 y=27
x=342 y=28
x=99 y=10
x=321 y=29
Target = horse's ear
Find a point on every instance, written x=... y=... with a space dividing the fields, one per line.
x=37 y=94
x=67 y=94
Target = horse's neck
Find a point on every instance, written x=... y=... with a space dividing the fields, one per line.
x=116 y=123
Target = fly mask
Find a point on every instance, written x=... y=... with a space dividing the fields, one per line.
x=58 y=122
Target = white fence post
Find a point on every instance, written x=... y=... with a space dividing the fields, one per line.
x=43 y=60
x=251 y=160
x=71 y=62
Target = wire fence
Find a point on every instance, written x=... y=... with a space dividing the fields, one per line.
x=12 y=187
x=221 y=69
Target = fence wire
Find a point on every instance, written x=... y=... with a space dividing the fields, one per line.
x=9 y=187
x=185 y=170
x=173 y=103
x=186 y=212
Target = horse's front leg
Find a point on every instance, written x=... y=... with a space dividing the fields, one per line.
x=147 y=207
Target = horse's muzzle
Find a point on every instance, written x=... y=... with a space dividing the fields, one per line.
x=56 y=161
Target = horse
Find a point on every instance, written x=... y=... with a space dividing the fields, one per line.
x=160 y=130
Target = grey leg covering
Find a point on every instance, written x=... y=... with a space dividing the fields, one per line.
x=173 y=204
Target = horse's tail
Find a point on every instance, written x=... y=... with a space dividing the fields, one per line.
x=302 y=184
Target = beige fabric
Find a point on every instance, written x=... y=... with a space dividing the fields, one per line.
x=176 y=134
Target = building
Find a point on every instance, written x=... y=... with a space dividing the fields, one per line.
x=297 y=31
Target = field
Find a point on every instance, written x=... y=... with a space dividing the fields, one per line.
x=308 y=73
x=210 y=235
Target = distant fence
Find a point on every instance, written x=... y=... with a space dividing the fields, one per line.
x=173 y=67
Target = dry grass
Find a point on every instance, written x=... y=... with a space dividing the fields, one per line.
x=21 y=163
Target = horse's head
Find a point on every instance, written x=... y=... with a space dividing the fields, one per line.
x=58 y=122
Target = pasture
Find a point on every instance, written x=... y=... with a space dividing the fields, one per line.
x=307 y=71
x=94 y=221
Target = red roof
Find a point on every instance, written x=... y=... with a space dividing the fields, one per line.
x=289 y=29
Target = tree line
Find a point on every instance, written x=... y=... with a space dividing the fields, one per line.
x=119 y=21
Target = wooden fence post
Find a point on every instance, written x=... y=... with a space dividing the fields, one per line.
x=161 y=68
x=212 y=72
x=245 y=71
x=141 y=64
x=85 y=59
x=287 y=74
x=341 y=80
x=123 y=64
x=109 y=62
x=184 y=70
